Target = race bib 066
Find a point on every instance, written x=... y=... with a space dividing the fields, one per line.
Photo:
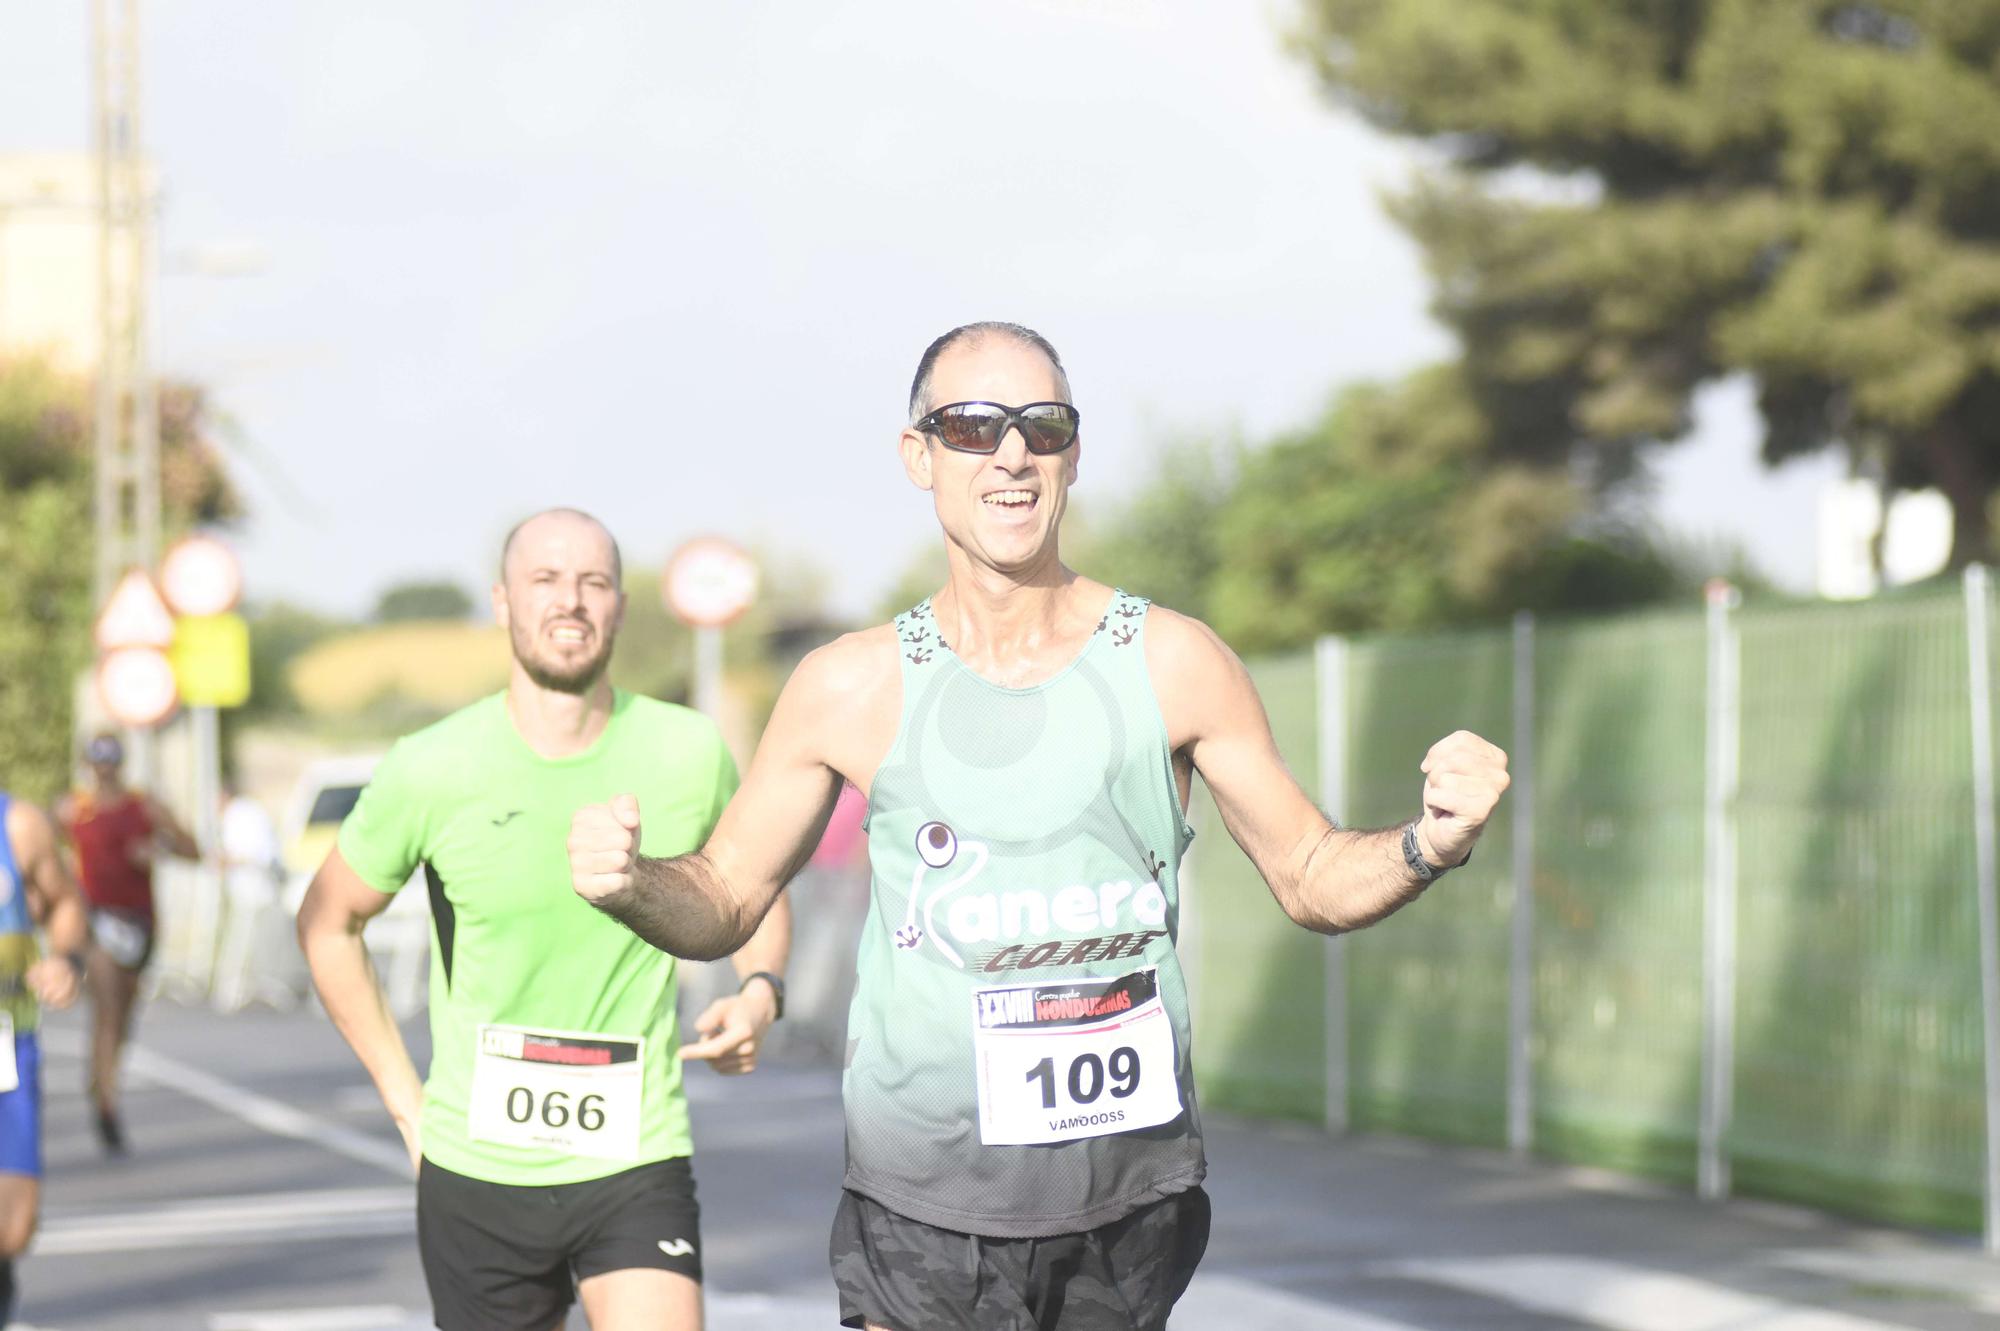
x=579 y=1094
x=1079 y=1059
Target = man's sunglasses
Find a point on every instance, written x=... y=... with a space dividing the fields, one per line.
x=978 y=427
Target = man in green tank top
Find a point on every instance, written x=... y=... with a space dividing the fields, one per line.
x=551 y=1135
x=1023 y=1143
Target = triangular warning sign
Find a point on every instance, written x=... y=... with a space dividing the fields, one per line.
x=135 y=616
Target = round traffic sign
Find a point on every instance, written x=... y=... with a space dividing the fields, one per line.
x=136 y=685
x=200 y=576
x=709 y=582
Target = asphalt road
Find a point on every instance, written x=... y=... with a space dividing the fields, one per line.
x=266 y=1192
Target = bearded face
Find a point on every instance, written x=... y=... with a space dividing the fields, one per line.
x=560 y=600
x=566 y=653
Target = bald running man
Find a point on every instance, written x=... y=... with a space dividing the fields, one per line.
x=1023 y=1145
x=551 y=1137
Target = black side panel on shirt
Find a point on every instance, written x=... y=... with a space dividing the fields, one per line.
x=444 y=918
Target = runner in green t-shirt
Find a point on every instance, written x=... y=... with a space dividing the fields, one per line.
x=551 y=1135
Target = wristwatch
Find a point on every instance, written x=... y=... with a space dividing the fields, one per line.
x=777 y=989
x=1414 y=857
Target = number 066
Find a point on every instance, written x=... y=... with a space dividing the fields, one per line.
x=555 y=1110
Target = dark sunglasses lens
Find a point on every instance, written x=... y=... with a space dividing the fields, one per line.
x=1049 y=429
x=973 y=429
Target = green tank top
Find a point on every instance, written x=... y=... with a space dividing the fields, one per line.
x=1018 y=1056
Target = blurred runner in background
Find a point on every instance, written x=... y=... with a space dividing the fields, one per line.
x=250 y=879
x=118 y=832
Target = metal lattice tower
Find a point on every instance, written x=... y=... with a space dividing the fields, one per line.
x=127 y=498
x=127 y=507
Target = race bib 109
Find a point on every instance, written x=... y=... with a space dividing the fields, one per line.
x=1081 y=1059
x=579 y=1094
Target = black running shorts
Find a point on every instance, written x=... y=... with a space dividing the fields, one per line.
x=1122 y=1276
x=505 y=1258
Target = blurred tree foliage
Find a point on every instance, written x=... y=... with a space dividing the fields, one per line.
x=1805 y=190
x=1392 y=510
x=45 y=552
x=425 y=599
x=280 y=632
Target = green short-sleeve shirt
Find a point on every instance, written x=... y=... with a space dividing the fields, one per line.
x=488 y=821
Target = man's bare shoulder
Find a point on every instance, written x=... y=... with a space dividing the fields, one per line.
x=28 y=829
x=1196 y=677
x=1183 y=642
x=854 y=664
x=841 y=705
x=853 y=677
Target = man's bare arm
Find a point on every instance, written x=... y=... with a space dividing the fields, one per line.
x=167 y=830
x=1328 y=879
x=54 y=901
x=709 y=903
x=336 y=908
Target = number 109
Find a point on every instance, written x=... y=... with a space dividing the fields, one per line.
x=1086 y=1079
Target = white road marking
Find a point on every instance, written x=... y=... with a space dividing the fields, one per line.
x=259 y=1111
x=1966 y=1275
x=288 y=1217
x=273 y=1116
x=1621 y=1297
x=1243 y=1305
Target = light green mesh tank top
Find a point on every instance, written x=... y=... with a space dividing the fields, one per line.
x=1018 y=1048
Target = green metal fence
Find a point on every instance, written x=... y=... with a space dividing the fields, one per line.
x=1775 y=803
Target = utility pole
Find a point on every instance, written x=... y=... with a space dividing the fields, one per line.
x=127 y=498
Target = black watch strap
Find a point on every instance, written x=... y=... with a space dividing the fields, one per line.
x=777 y=988
x=1413 y=856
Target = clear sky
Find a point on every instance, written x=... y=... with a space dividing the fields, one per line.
x=674 y=262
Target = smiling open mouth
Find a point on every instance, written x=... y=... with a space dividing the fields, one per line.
x=1016 y=501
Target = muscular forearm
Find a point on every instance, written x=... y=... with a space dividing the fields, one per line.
x=771 y=946
x=683 y=906
x=1349 y=880
x=345 y=977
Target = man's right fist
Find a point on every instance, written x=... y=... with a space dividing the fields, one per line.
x=604 y=847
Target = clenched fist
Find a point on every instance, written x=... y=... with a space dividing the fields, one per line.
x=604 y=847
x=1464 y=777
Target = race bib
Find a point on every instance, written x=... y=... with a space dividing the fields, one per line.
x=1082 y=1059
x=579 y=1094
x=10 y=1071
x=124 y=940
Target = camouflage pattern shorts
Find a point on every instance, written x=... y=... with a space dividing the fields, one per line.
x=1123 y=1276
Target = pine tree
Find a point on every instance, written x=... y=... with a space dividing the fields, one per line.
x=1644 y=195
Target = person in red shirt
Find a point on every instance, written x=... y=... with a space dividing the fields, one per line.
x=117 y=833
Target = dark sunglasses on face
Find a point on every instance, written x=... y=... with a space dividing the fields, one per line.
x=978 y=427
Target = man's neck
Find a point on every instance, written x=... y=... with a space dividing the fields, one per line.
x=556 y=724
x=1012 y=628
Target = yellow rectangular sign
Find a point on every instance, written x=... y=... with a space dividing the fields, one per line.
x=211 y=656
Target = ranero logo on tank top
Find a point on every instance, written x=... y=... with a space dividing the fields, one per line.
x=953 y=920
